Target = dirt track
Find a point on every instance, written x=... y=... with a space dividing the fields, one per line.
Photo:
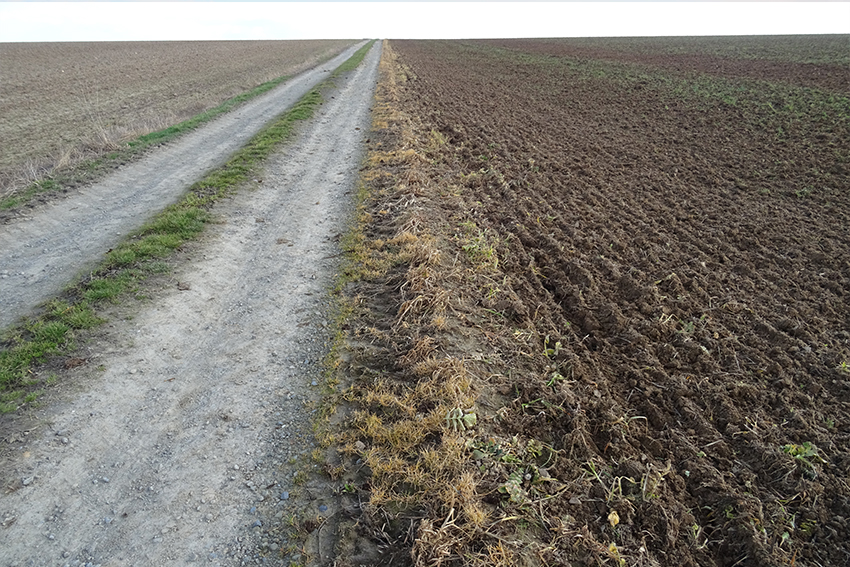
x=43 y=251
x=178 y=447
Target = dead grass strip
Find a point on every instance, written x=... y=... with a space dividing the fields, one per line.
x=416 y=408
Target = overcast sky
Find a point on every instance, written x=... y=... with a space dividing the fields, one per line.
x=109 y=21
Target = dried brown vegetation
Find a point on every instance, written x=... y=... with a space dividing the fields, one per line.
x=600 y=315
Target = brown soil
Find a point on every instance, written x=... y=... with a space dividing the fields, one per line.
x=828 y=76
x=61 y=101
x=649 y=295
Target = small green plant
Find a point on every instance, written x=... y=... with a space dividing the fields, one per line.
x=652 y=481
x=556 y=377
x=513 y=488
x=550 y=352
x=806 y=453
x=808 y=527
x=31 y=397
x=436 y=140
x=687 y=327
x=478 y=247
x=699 y=539
x=804 y=192
x=459 y=419
x=616 y=487
x=843 y=367
x=614 y=554
x=493 y=450
x=535 y=448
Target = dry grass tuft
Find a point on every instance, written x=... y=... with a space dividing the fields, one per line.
x=420 y=352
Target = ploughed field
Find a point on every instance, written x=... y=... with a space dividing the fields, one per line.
x=644 y=278
x=63 y=102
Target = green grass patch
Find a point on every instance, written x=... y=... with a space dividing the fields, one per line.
x=33 y=343
x=77 y=316
x=352 y=62
x=41 y=186
x=125 y=267
x=110 y=286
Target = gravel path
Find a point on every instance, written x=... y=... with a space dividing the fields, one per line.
x=182 y=442
x=44 y=251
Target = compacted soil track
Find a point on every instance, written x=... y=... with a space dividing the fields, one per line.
x=182 y=443
x=45 y=250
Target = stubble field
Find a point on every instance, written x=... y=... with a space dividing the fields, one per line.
x=603 y=318
x=65 y=102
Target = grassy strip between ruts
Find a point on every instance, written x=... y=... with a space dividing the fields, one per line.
x=53 y=332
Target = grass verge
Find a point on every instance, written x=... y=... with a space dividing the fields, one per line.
x=400 y=404
x=54 y=332
x=415 y=425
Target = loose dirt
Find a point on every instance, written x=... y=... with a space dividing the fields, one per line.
x=183 y=439
x=47 y=247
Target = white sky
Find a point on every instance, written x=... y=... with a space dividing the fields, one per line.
x=145 y=21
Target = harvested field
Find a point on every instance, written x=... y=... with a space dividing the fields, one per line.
x=602 y=310
x=63 y=102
